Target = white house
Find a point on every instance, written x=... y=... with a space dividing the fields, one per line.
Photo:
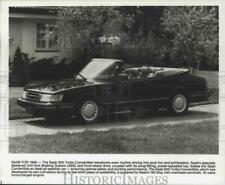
x=33 y=30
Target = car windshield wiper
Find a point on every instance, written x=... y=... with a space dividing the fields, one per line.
x=78 y=74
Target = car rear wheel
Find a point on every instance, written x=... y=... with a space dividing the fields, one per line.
x=178 y=104
x=89 y=111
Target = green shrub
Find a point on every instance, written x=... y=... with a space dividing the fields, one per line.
x=150 y=51
x=19 y=75
x=48 y=68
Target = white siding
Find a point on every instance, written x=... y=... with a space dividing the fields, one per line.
x=23 y=31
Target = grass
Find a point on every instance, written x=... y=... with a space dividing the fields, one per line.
x=16 y=112
x=195 y=138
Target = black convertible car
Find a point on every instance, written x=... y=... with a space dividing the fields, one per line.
x=108 y=85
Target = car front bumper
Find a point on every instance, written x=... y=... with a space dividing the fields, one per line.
x=46 y=109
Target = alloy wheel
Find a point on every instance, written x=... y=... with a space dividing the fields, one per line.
x=89 y=110
x=179 y=103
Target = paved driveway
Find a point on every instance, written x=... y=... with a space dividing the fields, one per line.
x=40 y=126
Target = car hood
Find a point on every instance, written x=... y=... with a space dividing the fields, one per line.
x=57 y=86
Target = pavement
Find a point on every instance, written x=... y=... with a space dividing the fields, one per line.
x=40 y=126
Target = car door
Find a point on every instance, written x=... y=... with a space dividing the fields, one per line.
x=138 y=89
x=159 y=88
x=116 y=90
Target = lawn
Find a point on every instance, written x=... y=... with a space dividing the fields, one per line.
x=16 y=112
x=196 y=138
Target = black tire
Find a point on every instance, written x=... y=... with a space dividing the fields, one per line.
x=178 y=103
x=88 y=110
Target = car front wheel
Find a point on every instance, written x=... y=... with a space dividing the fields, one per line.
x=178 y=104
x=89 y=111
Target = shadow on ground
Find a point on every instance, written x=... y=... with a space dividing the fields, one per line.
x=121 y=120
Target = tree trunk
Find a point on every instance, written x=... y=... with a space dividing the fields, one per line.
x=198 y=66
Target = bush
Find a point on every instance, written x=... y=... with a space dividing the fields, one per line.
x=19 y=75
x=151 y=52
x=48 y=69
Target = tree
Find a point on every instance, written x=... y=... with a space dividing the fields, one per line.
x=81 y=27
x=136 y=28
x=140 y=21
x=194 y=33
x=19 y=75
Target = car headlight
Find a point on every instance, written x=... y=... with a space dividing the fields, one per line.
x=24 y=94
x=51 y=97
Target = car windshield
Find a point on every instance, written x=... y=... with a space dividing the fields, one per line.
x=98 y=69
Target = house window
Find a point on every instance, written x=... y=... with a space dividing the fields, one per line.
x=46 y=36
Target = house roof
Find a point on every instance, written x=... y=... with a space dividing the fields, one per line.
x=47 y=10
x=106 y=60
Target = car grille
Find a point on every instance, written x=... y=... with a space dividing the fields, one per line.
x=32 y=96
